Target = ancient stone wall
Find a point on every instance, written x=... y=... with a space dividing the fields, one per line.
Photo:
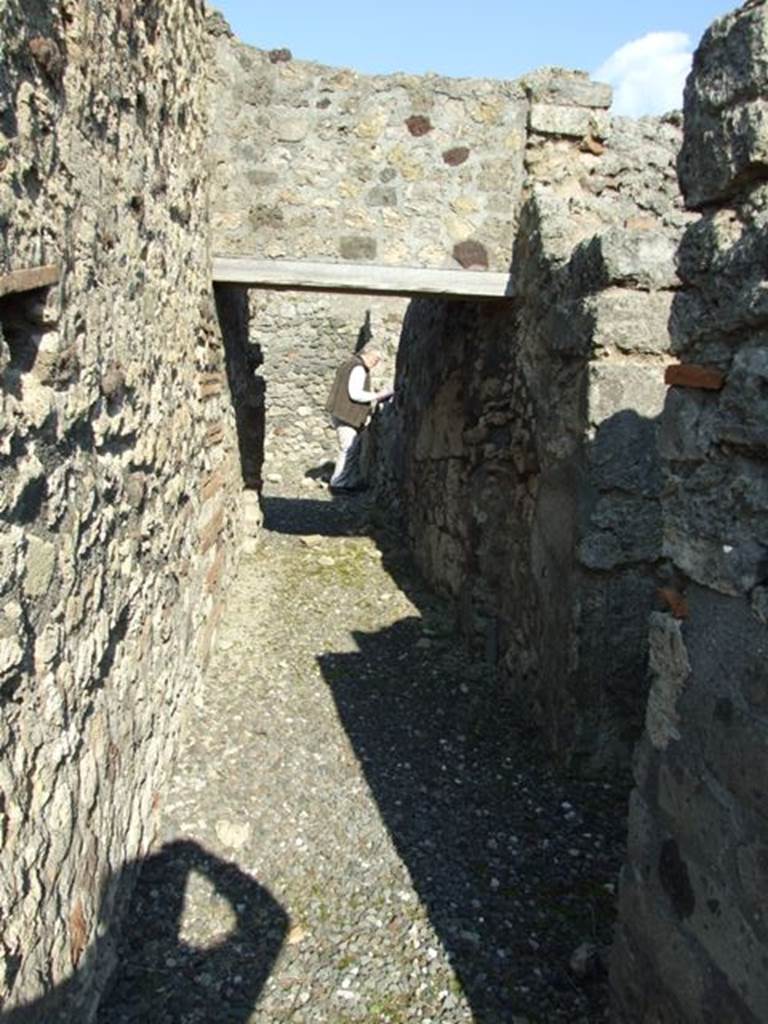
x=311 y=162
x=118 y=465
x=525 y=455
x=693 y=939
x=596 y=270
x=324 y=163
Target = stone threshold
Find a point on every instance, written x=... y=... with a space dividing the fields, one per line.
x=361 y=278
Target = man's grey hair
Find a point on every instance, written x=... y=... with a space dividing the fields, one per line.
x=370 y=356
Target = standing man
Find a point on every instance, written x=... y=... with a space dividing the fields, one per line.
x=349 y=405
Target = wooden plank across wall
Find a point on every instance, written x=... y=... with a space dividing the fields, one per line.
x=29 y=279
x=361 y=278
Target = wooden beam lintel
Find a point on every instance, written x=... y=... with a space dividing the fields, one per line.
x=29 y=279
x=361 y=278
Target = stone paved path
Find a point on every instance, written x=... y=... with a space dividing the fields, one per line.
x=358 y=828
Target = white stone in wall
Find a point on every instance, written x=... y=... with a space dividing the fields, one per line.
x=576 y=122
x=618 y=387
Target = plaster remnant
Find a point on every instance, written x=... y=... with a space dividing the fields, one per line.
x=670 y=670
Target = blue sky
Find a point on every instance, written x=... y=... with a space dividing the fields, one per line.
x=493 y=39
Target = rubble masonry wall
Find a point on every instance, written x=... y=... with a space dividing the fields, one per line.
x=523 y=445
x=692 y=945
x=119 y=473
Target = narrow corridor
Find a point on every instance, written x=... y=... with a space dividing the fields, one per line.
x=358 y=829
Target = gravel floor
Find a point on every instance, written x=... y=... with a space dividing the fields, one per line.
x=358 y=828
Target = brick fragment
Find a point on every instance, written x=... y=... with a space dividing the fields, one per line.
x=689 y=375
x=212 y=484
x=214 y=435
x=674 y=601
x=125 y=14
x=214 y=574
x=210 y=534
x=47 y=55
x=78 y=933
x=641 y=223
x=589 y=144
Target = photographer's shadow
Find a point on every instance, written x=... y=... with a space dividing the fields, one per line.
x=162 y=977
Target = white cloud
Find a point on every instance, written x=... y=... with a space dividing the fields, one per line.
x=648 y=74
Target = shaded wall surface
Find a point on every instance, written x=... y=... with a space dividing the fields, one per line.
x=693 y=939
x=312 y=162
x=118 y=465
x=523 y=445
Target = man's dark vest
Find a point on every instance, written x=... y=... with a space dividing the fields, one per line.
x=339 y=403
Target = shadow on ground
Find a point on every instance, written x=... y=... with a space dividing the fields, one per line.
x=163 y=978
x=338 y=518
x=513 y=862
x=443 y=759
x=168 y=980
